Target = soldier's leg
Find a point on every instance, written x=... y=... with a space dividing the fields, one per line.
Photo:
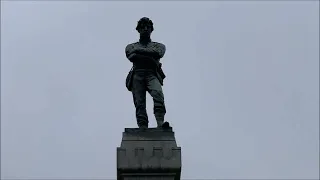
x=139 y=98
x=155 y=90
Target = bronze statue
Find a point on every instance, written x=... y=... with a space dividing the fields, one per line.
x=146 y=74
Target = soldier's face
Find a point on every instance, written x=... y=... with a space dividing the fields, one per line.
x=145 y=29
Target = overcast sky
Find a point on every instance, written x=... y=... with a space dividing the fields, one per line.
x=242 y=86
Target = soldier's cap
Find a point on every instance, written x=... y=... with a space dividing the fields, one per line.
x=144 y=20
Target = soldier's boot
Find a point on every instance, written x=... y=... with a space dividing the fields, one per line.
x=159 y=120
x=143 y=122
x=165 y=125
x=143 y=126
x=161 y=123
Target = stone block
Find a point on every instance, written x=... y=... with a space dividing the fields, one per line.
x=148 y=154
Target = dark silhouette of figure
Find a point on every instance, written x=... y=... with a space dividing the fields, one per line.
x=146 y=74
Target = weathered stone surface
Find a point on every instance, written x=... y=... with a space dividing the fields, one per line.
x=148 y=154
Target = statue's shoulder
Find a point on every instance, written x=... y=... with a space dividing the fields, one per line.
x=158 y=44
x=131 y=45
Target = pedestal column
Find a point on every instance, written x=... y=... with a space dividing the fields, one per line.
x=150 y=154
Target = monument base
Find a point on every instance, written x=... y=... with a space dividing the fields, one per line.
x=149 y=154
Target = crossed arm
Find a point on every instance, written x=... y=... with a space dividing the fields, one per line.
x=134 y=52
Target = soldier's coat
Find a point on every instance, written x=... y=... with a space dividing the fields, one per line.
x=156 y=47
x=145 y=76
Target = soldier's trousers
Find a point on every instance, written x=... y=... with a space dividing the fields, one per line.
x=144 y=81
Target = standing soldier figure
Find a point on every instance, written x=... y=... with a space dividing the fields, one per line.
x=146 y=74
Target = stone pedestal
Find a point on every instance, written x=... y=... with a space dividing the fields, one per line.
x=150 y=154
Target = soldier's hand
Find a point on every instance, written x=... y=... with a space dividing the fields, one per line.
x=140 y=50
x=137 y=50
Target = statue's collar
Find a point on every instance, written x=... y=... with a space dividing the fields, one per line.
x=145 y=41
